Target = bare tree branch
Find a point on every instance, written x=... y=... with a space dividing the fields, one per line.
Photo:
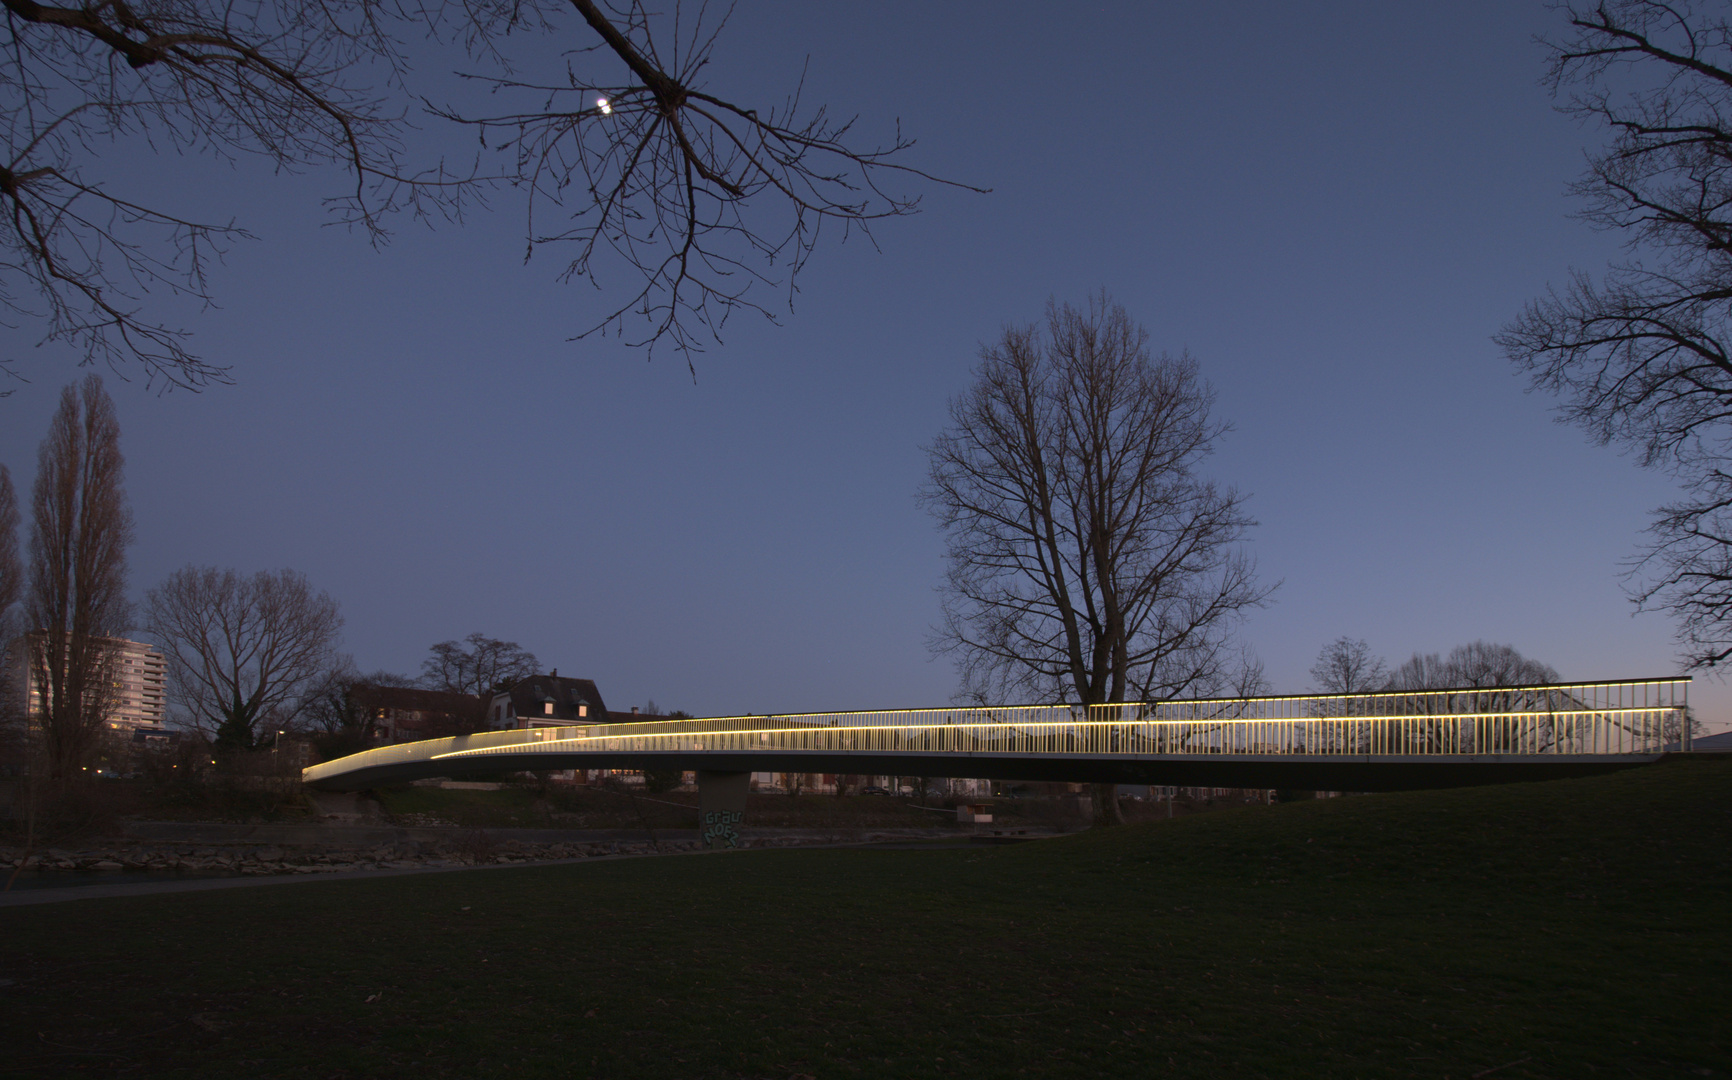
x=698 y=197
x=1643 y=357
x=486 y=665
x=287 y=82
x=694 y=196
x=1346 y=666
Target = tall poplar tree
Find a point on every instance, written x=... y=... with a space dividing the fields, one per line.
x=76 y=602
x=11 y=570
x=11 y=588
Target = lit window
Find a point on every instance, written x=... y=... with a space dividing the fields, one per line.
x=547 y=708
x=583 y=710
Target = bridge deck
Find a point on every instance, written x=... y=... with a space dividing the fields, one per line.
x=1360 y=742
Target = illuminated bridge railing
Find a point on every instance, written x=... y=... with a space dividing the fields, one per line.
x=1627 y=717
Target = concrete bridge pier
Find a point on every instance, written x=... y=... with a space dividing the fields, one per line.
x=722 y=806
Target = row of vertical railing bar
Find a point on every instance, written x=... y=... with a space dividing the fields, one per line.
x=1636 y=716
x=1631 y=731
x=1583 y=697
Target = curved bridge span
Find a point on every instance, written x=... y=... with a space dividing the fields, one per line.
x=1351 y=742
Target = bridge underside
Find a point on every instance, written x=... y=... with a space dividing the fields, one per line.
x=1304 y=772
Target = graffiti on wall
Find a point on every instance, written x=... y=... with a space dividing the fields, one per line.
x=719 y=830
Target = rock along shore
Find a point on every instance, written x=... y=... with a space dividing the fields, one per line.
x=454 y=849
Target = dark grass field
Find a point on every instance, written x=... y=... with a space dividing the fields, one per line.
x=1570 y=929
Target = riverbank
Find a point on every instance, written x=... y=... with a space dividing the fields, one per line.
x=192 y=848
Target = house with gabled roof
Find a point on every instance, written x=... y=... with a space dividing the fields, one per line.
x=547 y=701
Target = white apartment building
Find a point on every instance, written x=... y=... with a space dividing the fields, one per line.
x=141 y=676
x=140 y=683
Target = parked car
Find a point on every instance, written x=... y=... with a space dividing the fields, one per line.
x=874 y=789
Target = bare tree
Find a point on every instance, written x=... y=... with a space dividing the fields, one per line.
x=1642 y=358
x=328 y=704
x=1478 y=664
x=76 y=603
x=331 y=709
x=12 y=662
x=485 y=666
x=241 y=649
x=1346 y=666
x=1088 y=560
x=655 y=172
x=328 y=708
x=1483 y=678
x=1244 y=677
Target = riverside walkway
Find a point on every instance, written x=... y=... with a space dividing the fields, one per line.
x=1385 y=741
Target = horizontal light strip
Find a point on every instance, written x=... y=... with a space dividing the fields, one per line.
x=1626 y=716
x=1054 y=726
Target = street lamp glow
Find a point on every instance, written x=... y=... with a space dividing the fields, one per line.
x=601 y=103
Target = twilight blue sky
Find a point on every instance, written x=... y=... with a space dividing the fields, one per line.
x=1332 y=206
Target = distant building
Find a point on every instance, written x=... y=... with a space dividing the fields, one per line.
x=408 y=714
x=636 y=717
x=140 y=676
x=828 y=783
x=547 y=701
x=1720 y=742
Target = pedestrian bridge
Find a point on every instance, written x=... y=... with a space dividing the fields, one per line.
x=1385 y=741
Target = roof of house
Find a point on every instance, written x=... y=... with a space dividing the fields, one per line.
x=530 y=698
x=412 y=699
x=635 y=717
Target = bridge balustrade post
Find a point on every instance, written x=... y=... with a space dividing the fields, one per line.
x=722 y=806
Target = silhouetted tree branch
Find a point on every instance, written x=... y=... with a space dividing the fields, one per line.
x=1478 y=664
x=1347 y=666
x=486 y=666
x=280 y=80
x=697 y=197
x=1642 y=358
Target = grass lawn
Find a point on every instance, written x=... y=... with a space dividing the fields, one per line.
x=1569 y=929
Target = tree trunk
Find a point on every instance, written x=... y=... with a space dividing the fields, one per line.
x=1106 y=800
x=234 y=735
